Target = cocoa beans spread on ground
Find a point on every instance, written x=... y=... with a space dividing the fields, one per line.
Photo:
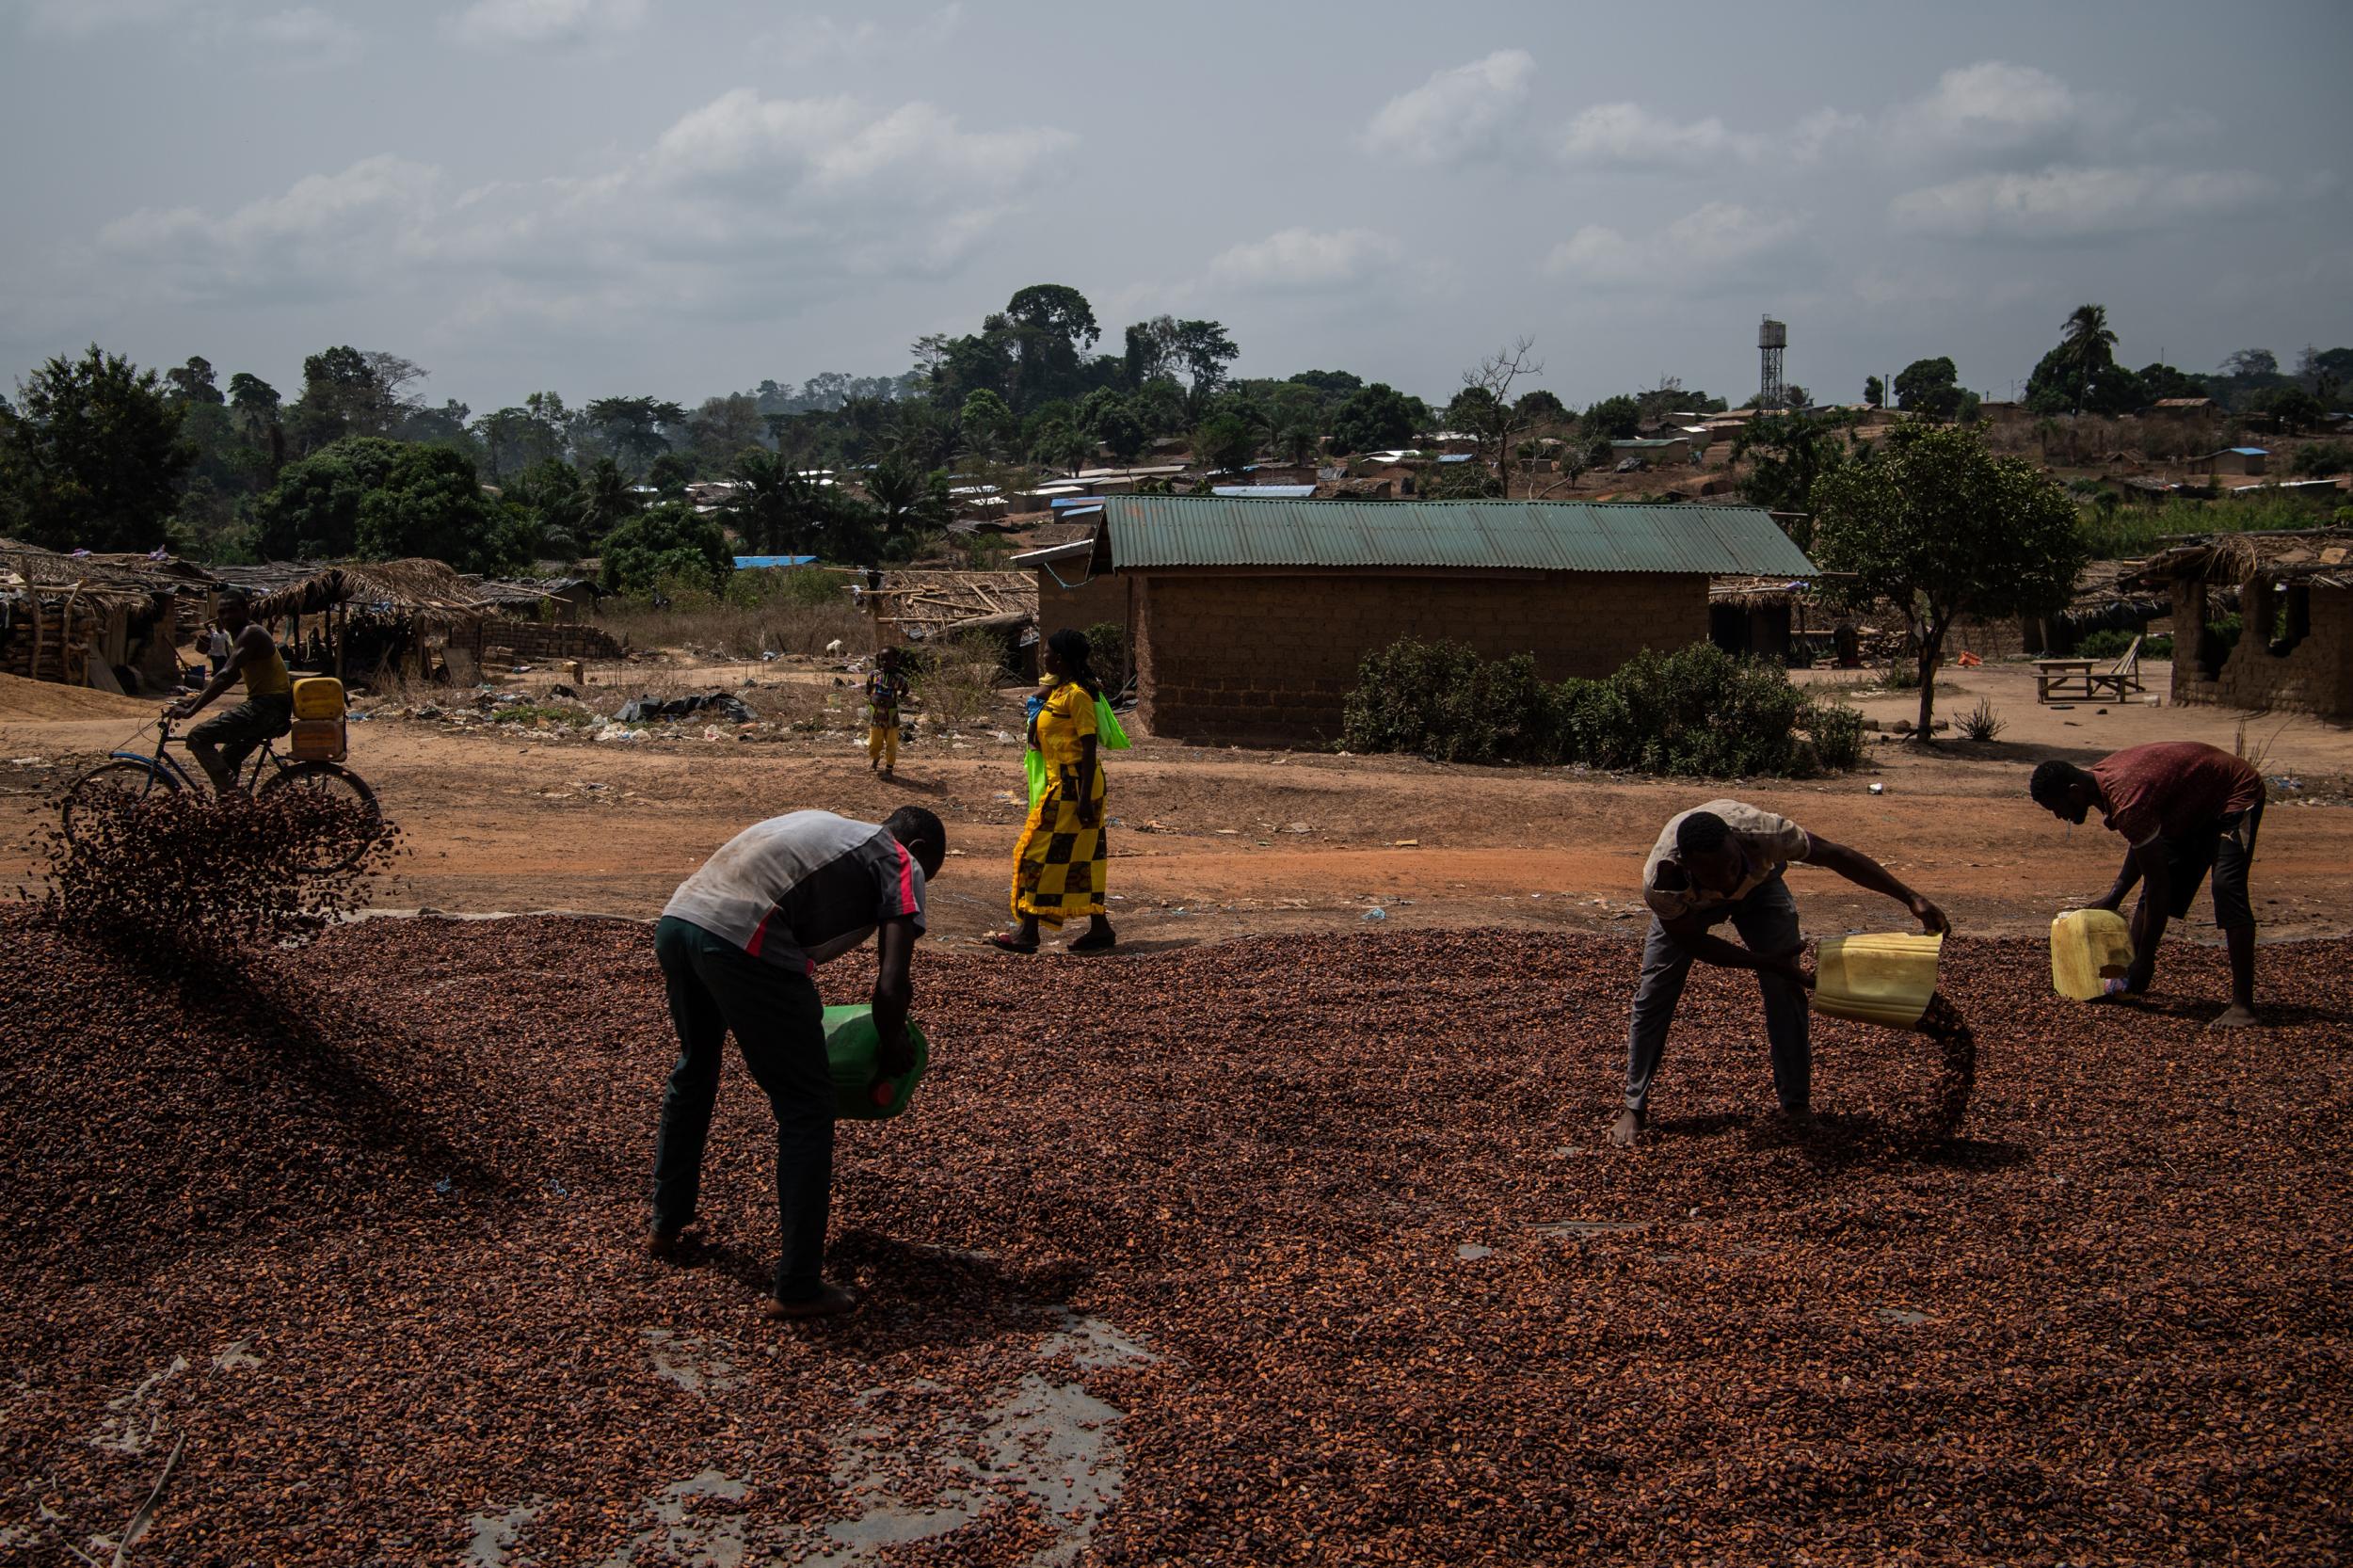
x=360 y=1222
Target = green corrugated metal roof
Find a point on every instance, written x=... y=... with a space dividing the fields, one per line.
x=1150 y=531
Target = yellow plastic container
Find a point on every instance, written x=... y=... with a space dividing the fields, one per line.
x=318 y=696
x=2089 y=948
x=316 y=740
x=1879 y=979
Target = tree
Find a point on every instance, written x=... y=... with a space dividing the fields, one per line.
x=431 y=504
x=193 y=382
x=312 y=512
x=666 y=543
x=1941 y=528
x=1224 y=442
x=989 y=427
x=1047 y=325
x=2158 y=380
x=634 y=427
x=606 y=501
x=1930 y=388
x=1788 y=453
x=2251 y=362
x=1204 y=348
x=2293 y=407
x=93 y=457
x=351 y=391
x=1614 y=419
x=1120 y=432
x=1486 y=408
x=1540 y=408
x=1330 y=382
x=1372 y=419
x=721 y=428
x=911 y=500
x=1874 y=391
x=771 y=505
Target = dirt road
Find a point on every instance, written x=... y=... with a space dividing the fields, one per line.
x=1214 y=843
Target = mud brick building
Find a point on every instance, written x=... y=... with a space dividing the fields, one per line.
x=1248 y=618
x=2294 y=602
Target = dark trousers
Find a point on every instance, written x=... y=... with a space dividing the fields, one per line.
x=779 y=1024
x=221 y=744
x=1766 y=921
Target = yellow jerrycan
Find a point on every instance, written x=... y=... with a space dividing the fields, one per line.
x=1883 y=978
x=2089 y=948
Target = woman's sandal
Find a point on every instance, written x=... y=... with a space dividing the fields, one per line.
x=1089 y=944
x=1008 y=944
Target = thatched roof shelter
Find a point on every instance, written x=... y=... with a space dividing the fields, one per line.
x=137 y=583
x=418 y=590
x=2321 y=556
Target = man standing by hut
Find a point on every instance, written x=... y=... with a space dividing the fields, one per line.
x=739 y=942
x=2182 y=808
x=1724 y=862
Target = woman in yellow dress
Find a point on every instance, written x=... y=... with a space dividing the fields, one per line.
x=1057 y=866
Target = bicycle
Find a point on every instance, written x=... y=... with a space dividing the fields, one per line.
x=137 y=775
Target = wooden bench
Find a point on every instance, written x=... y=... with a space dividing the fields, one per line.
x=2077 y=680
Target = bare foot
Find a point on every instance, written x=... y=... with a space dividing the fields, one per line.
x=1625 y=1128
x=2237 y=1017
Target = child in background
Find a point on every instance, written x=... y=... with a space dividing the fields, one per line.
x=884 y=690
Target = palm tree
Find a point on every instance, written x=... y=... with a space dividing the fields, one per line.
x=605 y=499
x=908 y=497
x=772 y=504
x=2089 y=348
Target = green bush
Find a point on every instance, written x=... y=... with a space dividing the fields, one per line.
x=1107 y=647
x=2110 y=642
x=1698 y=712
x=2317 y=459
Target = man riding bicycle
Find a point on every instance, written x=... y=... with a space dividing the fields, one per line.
x=220 y=744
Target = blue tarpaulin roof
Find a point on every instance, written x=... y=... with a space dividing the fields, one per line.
x=1266 y=492
x=755 y=563
x=1062 y=501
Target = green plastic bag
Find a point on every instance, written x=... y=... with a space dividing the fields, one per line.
x=1034 y=763
x=860 y=1094
x=1108 y=734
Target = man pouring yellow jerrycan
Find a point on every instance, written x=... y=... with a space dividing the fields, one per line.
x=2183 y=808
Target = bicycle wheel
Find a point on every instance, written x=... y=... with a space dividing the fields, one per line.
x=342 y=850
x=124 y=779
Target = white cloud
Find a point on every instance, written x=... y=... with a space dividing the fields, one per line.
x=1302 y=258
x=1468 y=112
x=1997 y=99
x=2075 y=202
x=507 y=23
x=1627 y=135
x=1696 y=251
x=743 y=201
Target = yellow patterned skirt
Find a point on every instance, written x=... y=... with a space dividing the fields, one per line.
x=1058 y=865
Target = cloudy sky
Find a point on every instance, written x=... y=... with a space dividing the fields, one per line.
x=675 y=198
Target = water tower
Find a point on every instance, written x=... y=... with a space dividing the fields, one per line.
x=1772 y=338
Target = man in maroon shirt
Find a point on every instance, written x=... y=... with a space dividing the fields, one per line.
x=2182 y=806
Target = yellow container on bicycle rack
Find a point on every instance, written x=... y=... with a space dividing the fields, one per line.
x=318 y=733
x=1879 y=979
x=318 y=696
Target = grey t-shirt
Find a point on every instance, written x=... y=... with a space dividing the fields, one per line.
x=801 y=888
x=1768 y=841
